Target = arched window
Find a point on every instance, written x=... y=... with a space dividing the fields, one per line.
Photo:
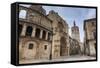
x=49 y=34
x=44 y=35
x=31 y=46
x=37 y=34
x=22 y=14
x=29 y=30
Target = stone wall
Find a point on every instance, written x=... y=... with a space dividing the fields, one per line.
x=90 y=34
x=35 y=35
x=60 y=35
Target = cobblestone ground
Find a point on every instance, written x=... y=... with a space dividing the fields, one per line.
x=64 y=58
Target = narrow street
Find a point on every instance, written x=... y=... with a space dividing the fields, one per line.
x=64 y=58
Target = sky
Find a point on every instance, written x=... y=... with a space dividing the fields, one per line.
x=71 y=14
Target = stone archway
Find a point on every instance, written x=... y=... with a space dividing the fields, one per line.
x=63 y=46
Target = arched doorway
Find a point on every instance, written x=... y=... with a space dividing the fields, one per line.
x=63 y=46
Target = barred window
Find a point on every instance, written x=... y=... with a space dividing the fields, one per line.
x=45 y=47
x=30 y=46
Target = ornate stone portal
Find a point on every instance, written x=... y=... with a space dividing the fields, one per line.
x=60 y=35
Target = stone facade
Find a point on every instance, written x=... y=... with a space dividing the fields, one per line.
x=74 y=47
x=35 y=33
x=90 y=36
x=41 y=36
x=60 y=41
x=46 y=37
x=82 y=48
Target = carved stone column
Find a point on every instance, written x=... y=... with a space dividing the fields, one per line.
x=41 y=34
x=46 y=38
x=34 y=31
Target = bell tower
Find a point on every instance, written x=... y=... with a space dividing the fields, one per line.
x=75 y=32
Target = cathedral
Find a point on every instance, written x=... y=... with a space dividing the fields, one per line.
x=41 y=36
x=60 y=41
x=35 y=33
x=46 y=37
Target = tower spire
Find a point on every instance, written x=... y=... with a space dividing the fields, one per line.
x=74 y=23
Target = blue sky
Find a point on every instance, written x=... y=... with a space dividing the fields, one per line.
x=70 y=14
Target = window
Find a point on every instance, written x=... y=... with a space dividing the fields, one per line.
x=29 y=30
x=44 y=35
x=30 y=46
x=37 y=34
x=49 y=36
x=22 y=14
x=45 y=47
x=19 y=29
x=93 y=23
